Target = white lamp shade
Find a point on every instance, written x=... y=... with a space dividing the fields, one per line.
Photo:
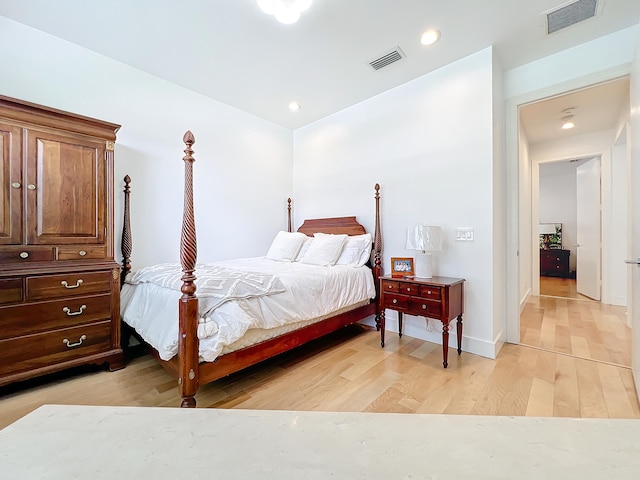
x=547 y=229
x=427 y=238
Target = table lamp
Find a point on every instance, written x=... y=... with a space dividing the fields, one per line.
x=547 y=229
x=426 y=239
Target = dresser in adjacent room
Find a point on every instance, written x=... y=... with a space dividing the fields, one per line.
x=59 y=283
x=555 y=263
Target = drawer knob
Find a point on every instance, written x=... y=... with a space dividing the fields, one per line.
x=82 y=253
x=66 y=285
x=395 y=300
x=428 y=292
x=390 y=286
x=31 y=186
x=16 y=185
x=408 y=289
x=24 y=255
x=76 y=344
x=68 y=311
x=424 y=306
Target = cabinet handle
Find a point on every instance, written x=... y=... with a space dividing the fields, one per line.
x=424 y=306
x=76 y=344
x=16 y=185
x=31 y=186
x=82 y=253
x=408 y=289
x=390 y=286
x=395 y=300
x=66 y=285
x=428 y=292
x=24 y=255
x=70 y=313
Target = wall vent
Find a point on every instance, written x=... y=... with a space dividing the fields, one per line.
x=387 y=58
x=570 y=14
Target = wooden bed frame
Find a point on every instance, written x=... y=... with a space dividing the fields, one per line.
x=185 y=365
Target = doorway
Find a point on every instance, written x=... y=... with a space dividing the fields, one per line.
x=554 y=314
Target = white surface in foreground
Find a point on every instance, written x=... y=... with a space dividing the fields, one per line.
x=65 y=442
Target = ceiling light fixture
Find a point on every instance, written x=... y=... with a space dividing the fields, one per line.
x=285 y=11
x=567 y=118
x=294 y=106
x=430 y=37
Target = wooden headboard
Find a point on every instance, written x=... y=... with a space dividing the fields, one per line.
x=336 y=225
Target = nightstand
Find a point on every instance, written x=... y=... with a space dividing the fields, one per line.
x=441 y=298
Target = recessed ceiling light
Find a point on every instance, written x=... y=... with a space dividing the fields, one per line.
x=567 y=118
x=294 y=106
x=430 y=37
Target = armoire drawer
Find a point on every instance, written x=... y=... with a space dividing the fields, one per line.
x=38 y=317
x=10 y=290
x=39 y=350
x=68 y=284
x=27 y=254
x=81 y=252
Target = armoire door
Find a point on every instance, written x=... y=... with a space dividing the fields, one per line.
x=10 y=185
x=65 y=181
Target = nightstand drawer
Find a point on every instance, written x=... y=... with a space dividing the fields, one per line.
x=433 y=293
x=67 y=285
x=40 y=350
x=390 y=286
x=39 y=317
x=425 y=308
x=397 y=302
x=405 y=288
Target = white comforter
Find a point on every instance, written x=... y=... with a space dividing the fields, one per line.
x=310 y=291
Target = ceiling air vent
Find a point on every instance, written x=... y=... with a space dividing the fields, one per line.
x=387 y=58
x=570 y=14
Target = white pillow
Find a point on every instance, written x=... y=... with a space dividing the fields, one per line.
x=324 y=249
x=356 y=251
x=305 y=246
x=285 y=246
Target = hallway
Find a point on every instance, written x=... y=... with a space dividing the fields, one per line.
x=563 y=321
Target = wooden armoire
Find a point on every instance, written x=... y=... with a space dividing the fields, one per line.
x=59 y=283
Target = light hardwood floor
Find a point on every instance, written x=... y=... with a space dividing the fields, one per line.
x=348 y=371
x=563 y=321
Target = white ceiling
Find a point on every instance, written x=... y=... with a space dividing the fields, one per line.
x=230 y=51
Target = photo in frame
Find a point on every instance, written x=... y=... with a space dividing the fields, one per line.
x=402 y=267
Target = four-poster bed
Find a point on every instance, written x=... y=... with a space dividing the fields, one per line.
x=187 y=365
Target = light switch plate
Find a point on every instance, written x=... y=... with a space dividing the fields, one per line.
x=464 y=234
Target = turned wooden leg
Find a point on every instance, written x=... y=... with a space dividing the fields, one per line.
x=445 y=343
x=400 y=324
x=459 y=332
x=382 y=324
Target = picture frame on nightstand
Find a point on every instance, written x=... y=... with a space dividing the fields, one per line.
x=402 y=267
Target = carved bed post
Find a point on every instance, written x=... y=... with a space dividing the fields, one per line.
x=188 y=344
x=289 y=214
x=125 y=245
x=377 y=261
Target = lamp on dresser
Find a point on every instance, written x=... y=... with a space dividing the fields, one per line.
x=547 y=229
x=426 y=239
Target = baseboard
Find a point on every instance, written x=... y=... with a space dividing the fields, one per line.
x=525 y=299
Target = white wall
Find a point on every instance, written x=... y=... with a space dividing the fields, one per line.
x=634 y=219
x=618 y=226
x=430 y=145
x=243 y=168
x=525 y=257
